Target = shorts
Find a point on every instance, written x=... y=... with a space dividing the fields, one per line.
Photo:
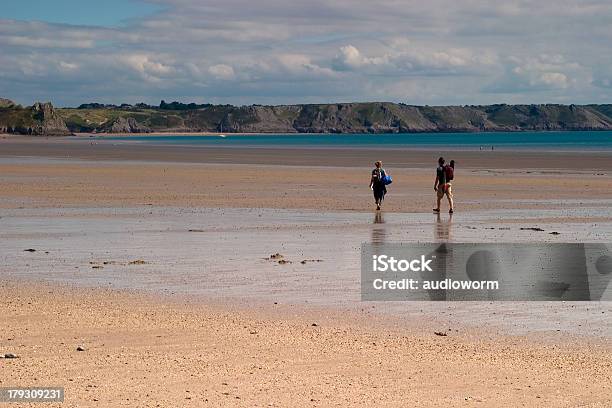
x=445 y=189
x=379 y=191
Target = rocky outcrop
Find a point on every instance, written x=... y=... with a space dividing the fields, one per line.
x=128 y=125
x=40 y=119
x=389 y=118
x=49 y=122
x=260 y=119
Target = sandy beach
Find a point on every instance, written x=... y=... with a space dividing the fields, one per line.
x=143 y=351
x=194 y=212
x=69 y=172
x=155 y=259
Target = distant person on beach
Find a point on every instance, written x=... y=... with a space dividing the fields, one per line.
x=442 y=185
x=377 y=184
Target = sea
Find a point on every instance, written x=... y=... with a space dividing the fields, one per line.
x=566 y=140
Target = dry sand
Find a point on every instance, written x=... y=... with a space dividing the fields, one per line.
x=140 y=351
x=146 y=350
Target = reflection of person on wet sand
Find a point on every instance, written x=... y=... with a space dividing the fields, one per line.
x=378 y=218
x=378 y=231
x=442 y=229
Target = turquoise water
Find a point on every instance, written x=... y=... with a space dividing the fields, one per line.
x=583 y=140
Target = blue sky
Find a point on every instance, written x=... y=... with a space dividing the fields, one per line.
x=277 y=51
x=77 y=12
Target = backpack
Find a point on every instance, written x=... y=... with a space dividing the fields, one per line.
x=449 y=172
x=379 y=175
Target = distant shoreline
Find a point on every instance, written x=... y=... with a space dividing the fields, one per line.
x=212 y=134
x=341 y=118
x=218 y=134
x=170 y=133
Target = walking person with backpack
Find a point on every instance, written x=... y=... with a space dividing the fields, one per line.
x=442 y=186
x=378 y=183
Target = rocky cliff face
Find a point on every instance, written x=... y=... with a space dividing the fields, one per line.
x=547 y=117
x=375 y=117
x=259 y=119
x=128 y=125
x=40 y=120
x=49 y=123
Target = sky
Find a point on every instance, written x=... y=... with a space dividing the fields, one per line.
x=436 y=52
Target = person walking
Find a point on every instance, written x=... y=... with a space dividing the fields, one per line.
x=377 y=184
x=442 y=184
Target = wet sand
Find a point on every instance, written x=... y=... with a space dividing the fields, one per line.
x=71 y=172
x=154 y=257
x=363 y=158
x=42 y=182
x=222 y=255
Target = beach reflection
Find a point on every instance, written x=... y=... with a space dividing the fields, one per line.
x=378 y=231
x=442 y=229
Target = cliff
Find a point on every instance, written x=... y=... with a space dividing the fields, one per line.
x=127 y=125
x=40 y=119
x=373 y=117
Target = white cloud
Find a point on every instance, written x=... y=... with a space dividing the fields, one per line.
x=299 y=64
x=554 y=80
x=350 y=58
x=38 y=42
x=404 y=58
x=435 y=52
x=67 y=66
x=545 y=73
x=146 y=66
x=222 y=71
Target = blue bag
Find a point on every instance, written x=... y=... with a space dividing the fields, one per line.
x=387 y=180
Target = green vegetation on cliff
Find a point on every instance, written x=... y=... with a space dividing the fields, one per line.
x=373 y=117
x=39 y=119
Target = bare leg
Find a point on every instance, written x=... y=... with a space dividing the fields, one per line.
x=438 y=199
